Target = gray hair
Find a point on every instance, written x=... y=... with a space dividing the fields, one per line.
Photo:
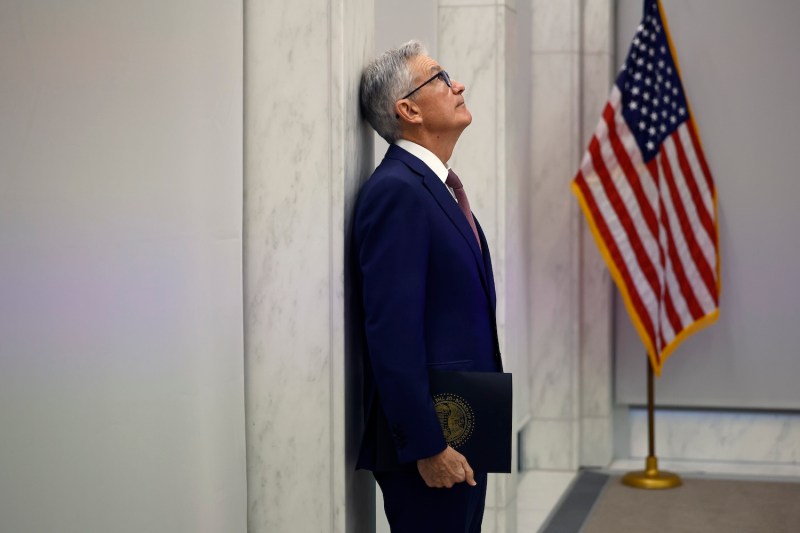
x=383 y=83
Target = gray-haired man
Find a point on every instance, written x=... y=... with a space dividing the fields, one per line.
x=426 y=287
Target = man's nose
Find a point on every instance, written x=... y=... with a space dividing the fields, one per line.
x=457 y=87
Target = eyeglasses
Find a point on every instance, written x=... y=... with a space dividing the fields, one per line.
x=442 y=75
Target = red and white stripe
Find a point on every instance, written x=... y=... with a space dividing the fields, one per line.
x=656 y=225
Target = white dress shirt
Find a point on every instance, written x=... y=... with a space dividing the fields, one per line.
x=427 y=157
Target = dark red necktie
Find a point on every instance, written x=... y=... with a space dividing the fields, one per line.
x=454 y=183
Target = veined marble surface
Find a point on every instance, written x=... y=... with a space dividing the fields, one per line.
x=468 y=50
x=550 y=439
x=305 y=149
x=596 y=425
x=287 y=331
x=570 y=287
x=746 y=437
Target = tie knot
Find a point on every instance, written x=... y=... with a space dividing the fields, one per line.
x=452 y=180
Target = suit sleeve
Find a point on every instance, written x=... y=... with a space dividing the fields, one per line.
x=393 y=236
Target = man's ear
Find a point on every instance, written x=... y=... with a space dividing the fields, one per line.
x=408 y=111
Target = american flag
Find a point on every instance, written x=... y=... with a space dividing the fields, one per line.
x=648 y=196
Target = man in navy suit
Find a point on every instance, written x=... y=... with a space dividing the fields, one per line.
x=426 y=289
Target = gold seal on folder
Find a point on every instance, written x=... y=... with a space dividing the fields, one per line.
x=456 y=418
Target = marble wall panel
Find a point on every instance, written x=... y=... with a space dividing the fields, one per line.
x=553 y=283
x=548 y=445
x=598 y=75
x=467 y=49
x=305 y=153
x=719 y=436
x=287 y=334
x=500 y=519
x=513 y=100
x=569 y=292
x=595 y=366
x=554 y=26
x=472 y=3
x=597 y=26
x=489 y=523
x=517 y=203
x=507 y=518
x=596 y=286
x=352 y=34
x=596 y=441
x=596 y=373
x=547 y=440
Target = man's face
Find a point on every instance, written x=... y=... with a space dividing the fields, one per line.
x=442 y=107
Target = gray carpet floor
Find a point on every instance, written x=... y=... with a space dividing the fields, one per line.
x=599 y=503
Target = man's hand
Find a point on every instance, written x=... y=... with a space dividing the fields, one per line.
x=445 y=469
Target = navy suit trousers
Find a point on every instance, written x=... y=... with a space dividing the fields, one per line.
x=413 y=507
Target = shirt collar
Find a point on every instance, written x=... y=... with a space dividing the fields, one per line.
x=426 y=156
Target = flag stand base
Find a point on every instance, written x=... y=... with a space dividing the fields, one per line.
x=651 y=477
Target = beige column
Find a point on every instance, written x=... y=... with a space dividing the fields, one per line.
x=550 y=440
x=570 y=292
x=597 y=76
x=306 y=151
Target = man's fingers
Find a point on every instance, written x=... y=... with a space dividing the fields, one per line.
x=469 y=474
x=446 y=469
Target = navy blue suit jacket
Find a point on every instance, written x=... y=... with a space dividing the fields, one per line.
x=428 y=302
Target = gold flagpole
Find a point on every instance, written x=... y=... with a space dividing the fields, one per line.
x=651 y=477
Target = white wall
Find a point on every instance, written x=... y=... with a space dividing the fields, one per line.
x=121 y=359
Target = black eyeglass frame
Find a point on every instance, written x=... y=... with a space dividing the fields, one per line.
x=442 y=74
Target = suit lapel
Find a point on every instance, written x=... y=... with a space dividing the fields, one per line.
x=449 y=205
x=487 y=264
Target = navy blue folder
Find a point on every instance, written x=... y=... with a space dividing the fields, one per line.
x=474 y=410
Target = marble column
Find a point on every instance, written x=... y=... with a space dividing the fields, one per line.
x=479 y=43
x=596 y=287
x=570 y=288
x=550 y=439
x=306 y=152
